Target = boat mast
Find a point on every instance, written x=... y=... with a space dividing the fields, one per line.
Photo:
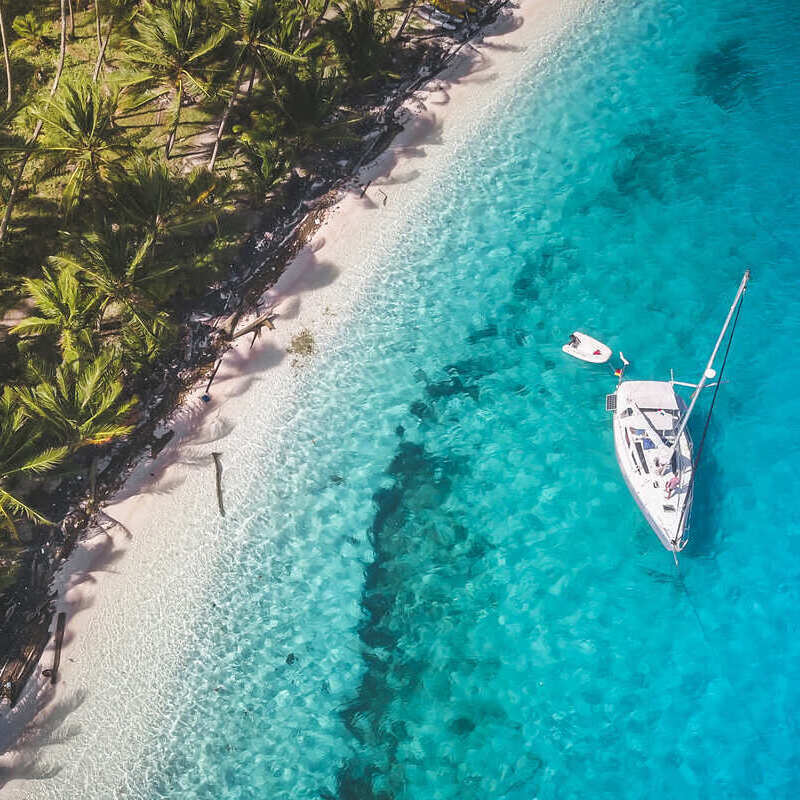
x=708 y=372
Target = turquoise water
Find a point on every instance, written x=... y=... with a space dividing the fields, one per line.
x=443 y=589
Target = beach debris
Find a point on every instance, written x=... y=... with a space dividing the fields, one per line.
x=159 y=442
x=264 y=320
x=61 y=622
x=206 y=396
x=25 y=653
x=302 y=343
x=218 y=469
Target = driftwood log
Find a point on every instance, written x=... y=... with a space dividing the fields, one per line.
x=60 y=624
x=218 y=469
x=265 y=320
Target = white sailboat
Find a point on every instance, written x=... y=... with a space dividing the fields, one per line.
x=653 y=446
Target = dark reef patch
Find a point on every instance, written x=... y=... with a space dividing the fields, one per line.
x=484 y=333
x=724 y=75
x=653 y=161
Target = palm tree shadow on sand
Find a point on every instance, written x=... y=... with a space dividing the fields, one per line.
x=46 y=727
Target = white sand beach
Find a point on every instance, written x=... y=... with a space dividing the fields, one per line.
x=131 y=589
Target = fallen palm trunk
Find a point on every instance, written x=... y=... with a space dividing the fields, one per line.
x=218 y=468
x=60 y=625
x=265 y=320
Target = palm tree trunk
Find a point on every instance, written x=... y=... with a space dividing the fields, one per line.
x=38 y=129
x=226 y=114
x=174 y=132
x=301 y=32
x=6 y=58
x=316 y=22
x=97 y=25
x=410 y=11
x=252 y=81
x=71 y=21
x=101 y=55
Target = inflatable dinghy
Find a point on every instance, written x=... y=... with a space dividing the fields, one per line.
x=586 y=348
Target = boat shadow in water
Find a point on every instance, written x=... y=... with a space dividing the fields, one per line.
x=704 y=533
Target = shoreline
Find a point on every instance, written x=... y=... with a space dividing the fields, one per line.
x=117 y=575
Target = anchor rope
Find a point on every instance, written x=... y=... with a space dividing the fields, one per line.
x=723 y=673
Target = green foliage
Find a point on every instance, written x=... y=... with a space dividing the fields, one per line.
x=80 y=136
x=360 y=33
x=20 y=455
x=270 y=84
x=175 y=52
x=31 y=32
x=81 y=402
x=119 y=268
x=266 y=160
x=300 y=112
x=67 y=312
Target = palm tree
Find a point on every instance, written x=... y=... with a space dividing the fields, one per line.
x=266 y=160
x=67 y=310
x=150 y=196
x=264 y=35
x=37 y=130
x=140 y=349
x=81 y=136
x=81 y=403
x=251 y=20
x=20 y=456
x=300 y=110
x=30 y=30
x=360 y=32
x=118 y=268
x=174 y=52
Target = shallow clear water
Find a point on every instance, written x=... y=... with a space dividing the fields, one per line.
x=441 y=587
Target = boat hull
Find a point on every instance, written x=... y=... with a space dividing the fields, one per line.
x=587 y=348
x=658 y=529
x=646 y=417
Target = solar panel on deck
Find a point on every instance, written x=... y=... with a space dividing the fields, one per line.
x=611 y=402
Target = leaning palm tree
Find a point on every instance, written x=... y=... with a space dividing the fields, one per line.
x=174 y=52
x=67 y=310
x=116 y=11
x=81 y=403
x=265 y=35
x=21 y=455
x=81 y=136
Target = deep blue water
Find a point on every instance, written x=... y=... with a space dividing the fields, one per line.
x=445 y=590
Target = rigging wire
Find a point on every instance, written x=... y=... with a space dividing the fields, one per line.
x=710 y=412
x=681 y=579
